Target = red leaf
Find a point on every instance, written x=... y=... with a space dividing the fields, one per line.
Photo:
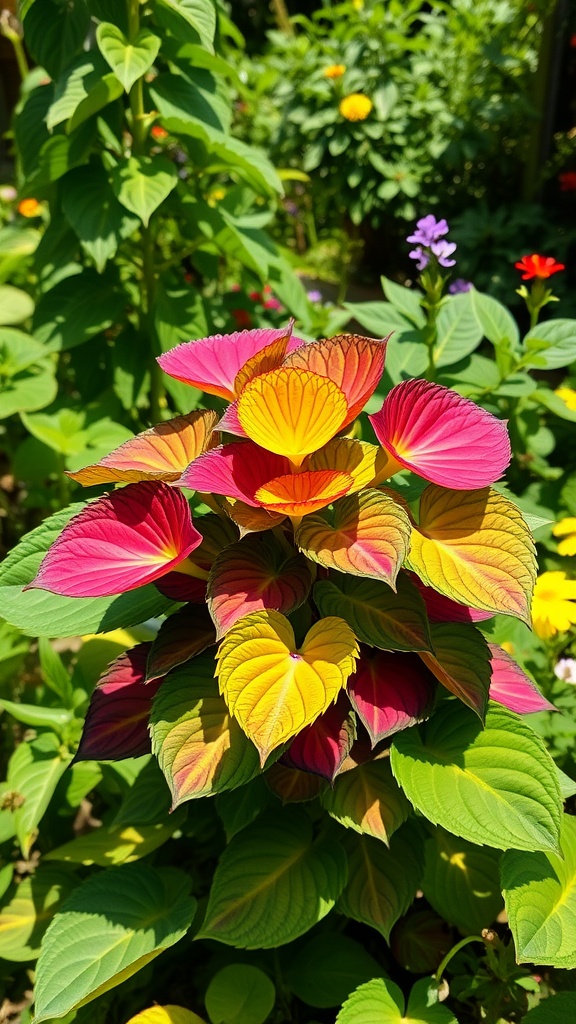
x=390 y=692
x=511 y=686
x=322 y=747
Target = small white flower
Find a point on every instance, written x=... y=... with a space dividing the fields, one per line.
x=565 y=669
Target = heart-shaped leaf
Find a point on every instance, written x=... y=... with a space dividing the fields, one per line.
x=475 y=547
x=322 y=747
x=379 y=617
x=363 y=534
x=142 y=183
x=273 y=688
x=381 y=1002
x=390 y=692
x=129 y=59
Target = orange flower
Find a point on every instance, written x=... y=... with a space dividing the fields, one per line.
x=538 y=266
x=29 y=208
x=158 y=132
x=356 y=106
x=334 y=71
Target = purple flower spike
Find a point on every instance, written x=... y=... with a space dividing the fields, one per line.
x=442 y=250
x=428 y=230
x=422 y=258
x=459 y=285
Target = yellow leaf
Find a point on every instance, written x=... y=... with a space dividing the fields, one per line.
x=166 y=1015
x=366 y=463
x=475 y=547
x=273 y=688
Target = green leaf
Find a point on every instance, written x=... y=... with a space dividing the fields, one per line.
x=240 y=994
x=238 y=808
x=496 y=786
x=54 y=673
x=382 y=1002
x=74 y=85
x=112 y=846
x=33 y=773
x=129 y=59
x=368 y=800
x=551 y=401
x=461 y=882
x=15 y=305
x=26 y=372
x=40 y=613
x=459 y=332
x=105 y=91
x=32 y=714
x=55 y=32
x=498 y=325
x=273 y=883
x=32 y=904
x=142 y=183
x=200 y=748
x=378 y=616
x=381 y=883
x=557 y=1009
x=110 y=927
x=379 y=318
x=75 y=310
x=99 y=220
x=461 y=662
x=200 y=15
x=540 y=899
x=551 y=344
x=405 y=300
x=406 y=357
x=328 y=968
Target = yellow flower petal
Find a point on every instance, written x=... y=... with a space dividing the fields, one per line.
x=564 y=527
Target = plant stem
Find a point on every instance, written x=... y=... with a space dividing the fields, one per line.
x=282 y=17
x=452 y=952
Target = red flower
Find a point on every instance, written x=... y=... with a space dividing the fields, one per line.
x=538 y=266
x=242 y=318
x=567 y=181
x=158 y=132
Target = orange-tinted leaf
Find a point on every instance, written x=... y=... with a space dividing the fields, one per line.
x=475 y=547
x=161 y=453
x=322 y=747
x=364 y=534
x=298 y=494
x=461 y=662
x=291 y=412
x=368 y=800
x=249 y=519
x=378 y=616
x=181 y=636
x=253 y=574
x=273 y=688
x=269 y=358
x=354 y=363
x=390 y=691
x=366 y=463
x=200 y=748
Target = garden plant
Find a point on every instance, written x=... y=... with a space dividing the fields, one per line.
x=287 y=648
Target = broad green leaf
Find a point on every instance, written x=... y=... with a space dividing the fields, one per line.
x=406 y=357
x=112 y=846
x=378 y=616
x=54 y=673
x=142 y=183
x=238 y=808
x=129 y=59
x=166 y=1015
x=496 y=786
x=97 y=217
x=33 y=714
x=33 y=903
x=147 y=802
x=55 y=33
x=240 y=994
x=40 y=613
x=551 y=344
x=26 y=372
x=15 y=305
x=328 y=968
x=382 y=1002
x=555 y=1009
x=458 y=548
x=498 y=325
x=365 y=534
x=553 y=402
x=381 y=882
x=273 y=687
x=461 y=881
x=404 y=299
x=540 y=899
x=379 y=318
x=273 y=883
x=200 y=748
x=368 y=800
x=105 y=91
x=200 y=15
x=74 y=85
x=458 y=331
x=111 y=926
x=33 y=773
x=461 y=662
x=75 y=310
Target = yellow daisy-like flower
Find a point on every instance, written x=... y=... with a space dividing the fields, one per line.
x=552 y=608
x=568 y=395
x=29 y=208
x=566 y=528
x=334 y=71
x=356 y=106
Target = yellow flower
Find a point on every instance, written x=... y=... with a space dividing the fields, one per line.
x=568 y=395
x=334 y=71
x=355 y=107
x=358 y=5
x=29 y=208
x=215 y=196
x=552 y=608
x=566 y=528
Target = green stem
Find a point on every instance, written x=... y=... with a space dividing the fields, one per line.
x=20 y=57
x=282 y=17
x=452 y=952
